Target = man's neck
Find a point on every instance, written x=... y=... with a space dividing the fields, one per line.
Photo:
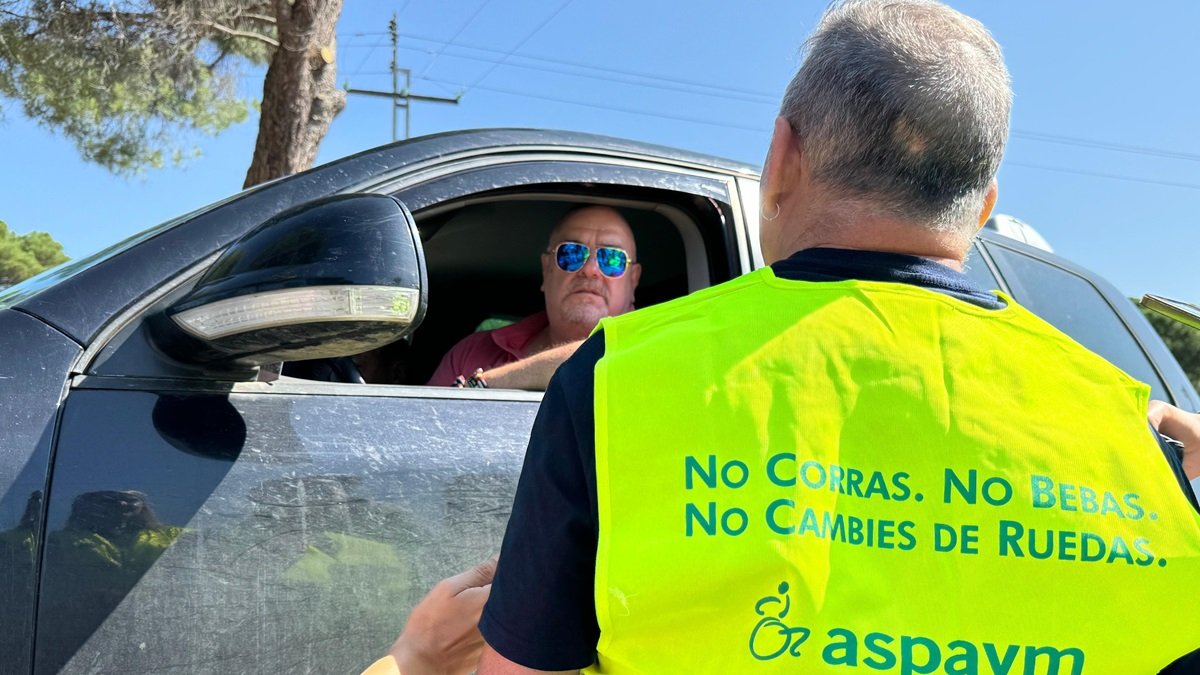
x=859 y=228
x=549 y=338
x=951 y=262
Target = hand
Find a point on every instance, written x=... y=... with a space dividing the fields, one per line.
x=1182 y=426
x=442 y=633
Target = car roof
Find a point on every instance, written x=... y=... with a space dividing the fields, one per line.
x=435 y=145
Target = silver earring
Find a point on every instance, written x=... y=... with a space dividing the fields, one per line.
x=771 y=217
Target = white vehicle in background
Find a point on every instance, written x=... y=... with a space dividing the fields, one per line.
x=1016 y=229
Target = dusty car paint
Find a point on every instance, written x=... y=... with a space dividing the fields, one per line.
x=294 y=530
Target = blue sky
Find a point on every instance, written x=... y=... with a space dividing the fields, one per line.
x=1104 y=159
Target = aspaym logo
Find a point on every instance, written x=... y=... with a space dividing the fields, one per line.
x=772 y=637
x=777 y=634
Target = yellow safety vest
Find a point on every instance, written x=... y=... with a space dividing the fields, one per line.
x=852 y=476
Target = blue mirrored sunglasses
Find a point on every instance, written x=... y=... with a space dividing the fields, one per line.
x=571 y=256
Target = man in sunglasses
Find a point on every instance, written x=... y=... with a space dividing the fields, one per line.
x=853 y=459
x=589 y=271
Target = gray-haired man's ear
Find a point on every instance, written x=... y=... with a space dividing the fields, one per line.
x=781 y=179
x=989 y=203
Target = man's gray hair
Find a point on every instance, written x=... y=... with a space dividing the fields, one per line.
x=903 y=104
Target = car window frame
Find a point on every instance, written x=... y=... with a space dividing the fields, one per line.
x=736 y=232
x=620 y=171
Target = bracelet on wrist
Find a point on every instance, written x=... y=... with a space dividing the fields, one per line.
x=476 y=380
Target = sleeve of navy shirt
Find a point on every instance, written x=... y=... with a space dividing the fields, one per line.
x=541 y=613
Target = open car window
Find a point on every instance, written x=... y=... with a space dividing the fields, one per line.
x=482 y=250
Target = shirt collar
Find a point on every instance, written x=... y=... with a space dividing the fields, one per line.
x=515 y=338
x=837 y=264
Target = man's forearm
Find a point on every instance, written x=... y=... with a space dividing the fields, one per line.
x=1184 y=427
x=532 y=373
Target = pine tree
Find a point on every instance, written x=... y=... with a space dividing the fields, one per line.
x=134 y=83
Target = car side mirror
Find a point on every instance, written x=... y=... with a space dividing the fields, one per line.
x=332 y=277
x=1183 y=312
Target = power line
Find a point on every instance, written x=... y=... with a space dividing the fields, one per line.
x=520 y=44
x=756 y=96
x=685 y=86
x=726 y=125
x=695 y=120
x=1017 y=133
x=370 y=53
x=454 y=37
x=632 y=111
x=1105 y=145
x=1098 y=174
x=618 y=71
x=709 y=91
x=1042 y=167
x=772 y=98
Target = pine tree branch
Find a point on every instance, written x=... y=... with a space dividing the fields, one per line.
x=218 y=60
x=259 y=17
x=251 y=35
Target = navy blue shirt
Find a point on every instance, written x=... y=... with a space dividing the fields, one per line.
x=542 y=613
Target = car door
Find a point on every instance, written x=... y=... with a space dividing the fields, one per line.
x=33 y=362
x=263 y=527
x=213 y=526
